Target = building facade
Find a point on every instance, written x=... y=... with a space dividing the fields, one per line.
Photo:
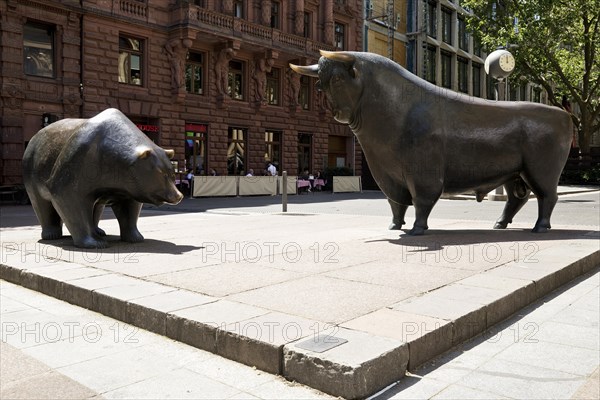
x=209 y=79
x=431 y=40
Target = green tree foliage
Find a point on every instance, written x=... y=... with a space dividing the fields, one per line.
x=557 y=46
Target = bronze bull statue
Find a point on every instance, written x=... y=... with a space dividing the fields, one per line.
x=421 y=141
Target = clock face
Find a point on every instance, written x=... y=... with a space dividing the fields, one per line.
x=507 y=62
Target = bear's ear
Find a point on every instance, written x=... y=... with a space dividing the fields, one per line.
x=142 y=152
x=170 y=153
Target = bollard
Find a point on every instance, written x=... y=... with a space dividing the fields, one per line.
x=284 y=190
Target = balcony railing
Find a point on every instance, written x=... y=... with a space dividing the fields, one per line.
x=239 y=28
x=134 y=8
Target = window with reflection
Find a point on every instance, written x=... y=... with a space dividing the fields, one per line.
x=38 y=49
x=195 y=148
x=131 y=52
x=238 y=9
x=194 y=69
x=430 y=66
x=273 y=148
x=340 y=36
x=275 y=15
x=304 y=93
x=236 y=151
x=447 y=25
x=307 y=24
x=446 y=70
x=463 y=35
x=463 y=68
x=476 y=80
x=235 y=85
x=272 y=89
x=431 y=14
x=304 y=152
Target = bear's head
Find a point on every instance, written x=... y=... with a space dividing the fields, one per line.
x=154 y=177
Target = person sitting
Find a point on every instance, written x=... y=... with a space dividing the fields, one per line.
x=305 y=177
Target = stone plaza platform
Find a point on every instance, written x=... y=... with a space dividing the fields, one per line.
x=336 y=302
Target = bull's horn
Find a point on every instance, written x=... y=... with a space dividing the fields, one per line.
x=340 y=56
x=309 y=70
x=170 y=153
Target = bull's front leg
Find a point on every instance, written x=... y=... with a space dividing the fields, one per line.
x=422 y=210
x=398 y=213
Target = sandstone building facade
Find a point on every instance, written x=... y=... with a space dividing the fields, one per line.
x=207 y=78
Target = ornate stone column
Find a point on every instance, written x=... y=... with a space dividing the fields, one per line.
x=299 y=17
x=228 y=7
x=328 y=23
x=177 y=50
x=265 y=6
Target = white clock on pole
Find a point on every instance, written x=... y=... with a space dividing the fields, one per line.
x=499 y=64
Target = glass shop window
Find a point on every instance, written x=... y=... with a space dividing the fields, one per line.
x=236 y=151
x=304 y=152
x=195 y=148
x=273 y=148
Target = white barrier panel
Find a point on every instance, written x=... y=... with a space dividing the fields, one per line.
x=347 y=184
x=205 y=186
x=291 y=185
x=257 y=185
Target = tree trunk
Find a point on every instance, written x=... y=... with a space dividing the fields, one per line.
x=585 y=131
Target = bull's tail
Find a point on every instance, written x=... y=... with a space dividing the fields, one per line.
x=520 y=188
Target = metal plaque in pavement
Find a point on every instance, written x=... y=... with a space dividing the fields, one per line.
x=321 y=343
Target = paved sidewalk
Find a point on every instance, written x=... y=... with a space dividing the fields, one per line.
x=334 y=301
x=549 y=350
x=50 y=349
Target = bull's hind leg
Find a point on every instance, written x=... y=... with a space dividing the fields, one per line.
x=546 y=203
x=398 y=213
x=517 y=194
x=547 y=196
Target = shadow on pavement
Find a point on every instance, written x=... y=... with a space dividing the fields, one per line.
x=436 y=239
x=116 y=246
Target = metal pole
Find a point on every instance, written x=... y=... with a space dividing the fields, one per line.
x=284 y=190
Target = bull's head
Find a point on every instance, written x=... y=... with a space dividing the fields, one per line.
x=339 y=79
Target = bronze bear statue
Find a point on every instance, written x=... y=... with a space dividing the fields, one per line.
x=73 y=168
